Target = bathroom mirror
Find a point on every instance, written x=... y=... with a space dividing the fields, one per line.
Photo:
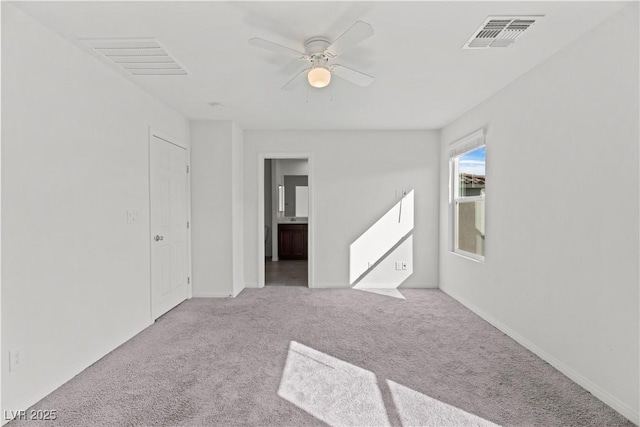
x=296 y=196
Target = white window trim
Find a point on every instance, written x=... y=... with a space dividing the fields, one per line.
x=466 y=144
x=456 y=149
x=456 y=250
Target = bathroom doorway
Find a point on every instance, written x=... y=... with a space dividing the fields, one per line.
x=285 y=211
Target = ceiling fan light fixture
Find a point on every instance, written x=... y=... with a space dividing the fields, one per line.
x=319 y=76
x=319 y=51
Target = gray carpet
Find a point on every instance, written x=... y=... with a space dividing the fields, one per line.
x=294 y=356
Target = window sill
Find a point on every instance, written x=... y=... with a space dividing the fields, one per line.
x=470 y=258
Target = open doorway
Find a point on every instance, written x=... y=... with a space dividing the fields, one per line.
x=285 y=207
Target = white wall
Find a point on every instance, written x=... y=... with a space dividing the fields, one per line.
x=561 y=270
x=354 y=177
x=1 y=222
x=216 y=208
x=237 y=213
x=211 y=208
x=75 y=147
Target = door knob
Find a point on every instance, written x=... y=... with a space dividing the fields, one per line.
x=156 y=238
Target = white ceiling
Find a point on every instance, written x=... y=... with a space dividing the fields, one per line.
x=424 y=79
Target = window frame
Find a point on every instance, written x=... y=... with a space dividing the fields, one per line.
x=456 y=150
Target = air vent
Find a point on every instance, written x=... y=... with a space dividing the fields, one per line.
x=139 y=57
x=500 y=31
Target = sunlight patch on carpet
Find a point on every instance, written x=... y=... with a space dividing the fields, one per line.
x=341 y=394
x=330 y=389
x=417 y=409
x=386 y=292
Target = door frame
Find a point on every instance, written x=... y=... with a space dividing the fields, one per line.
x=310 y=227
x=171 y=140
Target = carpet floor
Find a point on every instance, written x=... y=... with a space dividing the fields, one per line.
x=292 y=356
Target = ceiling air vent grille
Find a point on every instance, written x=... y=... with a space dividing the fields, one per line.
x=139 y=57
x=500 y=31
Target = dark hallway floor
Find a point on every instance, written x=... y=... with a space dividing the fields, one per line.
x=286 y=273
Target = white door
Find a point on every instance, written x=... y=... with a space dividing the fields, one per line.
x=168 y=169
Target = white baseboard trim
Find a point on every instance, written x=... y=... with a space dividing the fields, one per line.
x=576 y=377
x=343 y=286
x=417 y=286
x=330 y=286
x=374 y=286
x=401 y=287
x=65 y=377
x=211 y=295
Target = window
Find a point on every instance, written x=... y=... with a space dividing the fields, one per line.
x=467 y=162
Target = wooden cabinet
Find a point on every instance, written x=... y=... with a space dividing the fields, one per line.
x=292 y=241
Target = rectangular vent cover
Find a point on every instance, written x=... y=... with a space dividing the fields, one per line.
x=500 y=31
x=139 y=57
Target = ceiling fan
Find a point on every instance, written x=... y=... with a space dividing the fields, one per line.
x=319 y=51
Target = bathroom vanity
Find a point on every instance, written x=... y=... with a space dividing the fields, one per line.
x=292 y=240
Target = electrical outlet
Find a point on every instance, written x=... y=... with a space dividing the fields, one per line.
x=401 y=193
x=398 y=265
x=16 y=359
x=403 y=265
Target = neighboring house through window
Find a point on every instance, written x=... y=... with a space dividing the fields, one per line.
x=467 y=164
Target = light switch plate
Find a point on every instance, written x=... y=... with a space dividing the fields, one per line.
x=132 y=216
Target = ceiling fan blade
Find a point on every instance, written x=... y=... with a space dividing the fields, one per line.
x=354 y=35
x=275 y=47
x=361 y=79
x=289 y=84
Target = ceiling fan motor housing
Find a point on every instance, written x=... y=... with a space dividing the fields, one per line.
x=319 y=51
x=316 y=46
x=319 y=75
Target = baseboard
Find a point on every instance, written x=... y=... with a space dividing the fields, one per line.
x=220 y=295
x=343 y=286
x=417 y=286
x=576 y=377
x=62 y=379
x=399 y=288
x=211 y=295
x=330 y=286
